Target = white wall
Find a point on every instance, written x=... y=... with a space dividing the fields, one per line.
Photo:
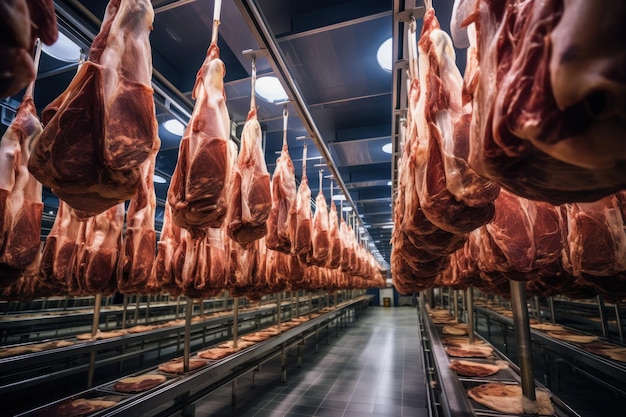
x=386 y=292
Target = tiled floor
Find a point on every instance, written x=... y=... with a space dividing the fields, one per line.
x=373 y=368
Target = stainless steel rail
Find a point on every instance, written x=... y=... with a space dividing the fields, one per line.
x=217 y=373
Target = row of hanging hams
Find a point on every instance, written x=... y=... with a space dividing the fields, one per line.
x=440 y=198
x=558 y=224
x=221 y=202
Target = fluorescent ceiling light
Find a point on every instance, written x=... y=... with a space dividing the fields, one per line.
x=64 y=49
x=159 y=179
x=384 y=55
x=175 y=127
x=387 y=148
x=377 y=241
x=347 y=208
x=270 y=89
x=339 y=197
x=389 y=226
x=389 y=183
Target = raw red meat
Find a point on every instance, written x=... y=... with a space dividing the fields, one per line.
x=20 y=194
x=103 y=127
x=163 y=268
x=549 y=125
x=280 y=230
x=250 y=195
x=334 y=256
x=451 y=195
x=303 y=245
x=23 y=21
x=198 y=191
x=134 y=275
x=60 y=246
x=596 y=238
x=321 y=230
x=94 y=263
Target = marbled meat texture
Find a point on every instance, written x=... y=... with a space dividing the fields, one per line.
x=250 y=196
x=198 y=190
x=20 y=195
x=102 y=128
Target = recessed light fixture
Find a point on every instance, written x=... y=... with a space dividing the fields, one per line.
x=270 y=89
x=387 y=148
x=64 y=49
x=384 y=55
x=158 y=179
x=175 y=127
x=339 y=197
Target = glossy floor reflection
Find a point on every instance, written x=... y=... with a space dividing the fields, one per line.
x=372 y=368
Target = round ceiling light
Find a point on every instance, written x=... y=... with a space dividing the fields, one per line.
x=64 y=49
x=387 y=148
x=175 y=127
x=270 y=89
x=159 y=179
x=384 y=55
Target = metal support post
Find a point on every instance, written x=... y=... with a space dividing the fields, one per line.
x=136 y=310
x=470 y=314
x=94 y=329
x=455 y=301
x=187 y=345
x=603 y=319
x=552 y=311
x=619 y=323
x=524 y=345
x=278 y=311
x=124 y=311
x=236 y=322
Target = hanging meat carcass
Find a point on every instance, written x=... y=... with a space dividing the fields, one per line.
x=250 y=195
x=93 y=267
x=59 y=248
x=23 y=22
x=20 y=194
x=334 y=256
x=102 y=128
x=134 y=273
x=280 y=224
x=303 y=245
x=527 y=233
x=550 y=99
x=451 y=195
x=163 y=268
x=321 y=230
x=596 y=238
x=198 y=191
x=204 y=268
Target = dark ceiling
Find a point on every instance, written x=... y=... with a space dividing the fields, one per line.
x=329 y=48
